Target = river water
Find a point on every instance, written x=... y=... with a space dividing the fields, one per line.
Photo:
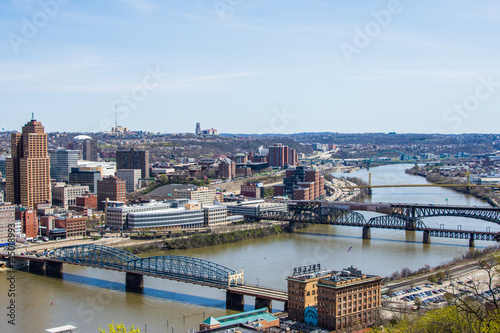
x=89 y=298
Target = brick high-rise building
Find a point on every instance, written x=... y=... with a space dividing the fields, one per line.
x=340 y=301
x=29 y=220
x=28 y=170
x=301 y=184
x=227 y=168
x=133 y=159
x=348 y=300
x=280 y=156
x=112 y=188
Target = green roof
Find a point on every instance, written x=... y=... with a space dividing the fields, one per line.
x=211 y=321
x=244 y=317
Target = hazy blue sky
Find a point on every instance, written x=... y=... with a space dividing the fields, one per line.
x=251 y=66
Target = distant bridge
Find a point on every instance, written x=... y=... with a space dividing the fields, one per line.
x=397 y=216
x=373 y=158
x=177 y=268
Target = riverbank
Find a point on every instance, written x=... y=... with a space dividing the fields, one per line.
x=472 y=273
x=223 y=235
x=482 y=193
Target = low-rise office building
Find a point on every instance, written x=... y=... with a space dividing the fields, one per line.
x=131 y=178
x=74 y=225
x=166 y=219
x=215 y=215
x=117 y=212
x=65 y=195
x=201 y=194
x=7 y=227
x=255 y=207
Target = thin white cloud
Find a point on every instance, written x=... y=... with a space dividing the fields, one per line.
x=144 y=6
x=443 y=74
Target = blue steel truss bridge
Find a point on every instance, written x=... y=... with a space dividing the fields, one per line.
x=398 y=216
x=178 y=268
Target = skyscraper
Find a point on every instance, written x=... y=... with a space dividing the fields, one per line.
x=90 y=150
x=133 y=159
x=61 y=162
x=28 y=170
x=280 y=156
x=198 y=129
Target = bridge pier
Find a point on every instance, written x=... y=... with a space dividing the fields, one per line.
x=367 y=233
x=36 y=266
x=263 y=303
x=411 y=224
x=471 y=241
x=235 y=301
x=426 y=237
x=134 y=282
x=53 y=268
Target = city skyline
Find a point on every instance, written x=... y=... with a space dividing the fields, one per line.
x=289 y=67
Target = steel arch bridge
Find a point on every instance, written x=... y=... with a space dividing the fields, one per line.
x=401 y=217
x=179 y=268
x=322 y=215
x=371 y=160
x=396 y=222
x=422 y=211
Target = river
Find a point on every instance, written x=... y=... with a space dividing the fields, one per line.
x=89 y=298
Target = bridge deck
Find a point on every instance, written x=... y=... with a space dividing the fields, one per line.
x=260 y=292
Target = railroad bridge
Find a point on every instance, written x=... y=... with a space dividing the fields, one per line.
x=177 y=268
x=397 y=216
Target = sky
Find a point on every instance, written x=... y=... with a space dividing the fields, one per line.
x=260 y=66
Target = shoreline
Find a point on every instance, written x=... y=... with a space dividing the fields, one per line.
x=438 y=179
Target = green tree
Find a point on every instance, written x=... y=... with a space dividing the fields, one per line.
x=119 y=328
x=432 y=278
x=268 y=191
x=440 y=276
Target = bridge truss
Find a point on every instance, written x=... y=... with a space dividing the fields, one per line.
x=421 y=211
x=403 y=217
x=180 y=268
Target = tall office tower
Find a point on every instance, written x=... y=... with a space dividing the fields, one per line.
x=28 y=170
x=90 y=150
x=198 y=129
x=61 y=162
x=111 y=188
x=133 y=159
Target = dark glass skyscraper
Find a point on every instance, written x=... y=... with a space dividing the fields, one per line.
x=61 y=162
